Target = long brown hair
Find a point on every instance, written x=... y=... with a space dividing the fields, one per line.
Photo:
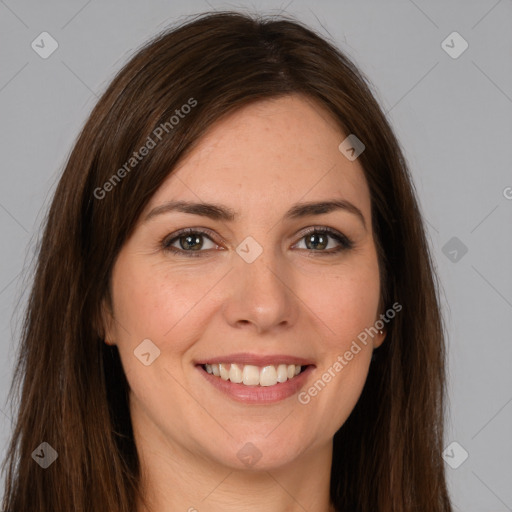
x=387 y=455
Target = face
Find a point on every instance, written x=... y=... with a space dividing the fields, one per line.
x=271 y=290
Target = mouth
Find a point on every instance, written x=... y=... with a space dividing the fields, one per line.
x=256 y=380
x=251 y=375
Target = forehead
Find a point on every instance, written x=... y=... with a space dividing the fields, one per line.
x=273 y=152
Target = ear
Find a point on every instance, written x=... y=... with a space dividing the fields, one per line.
x=104 y=325
x=378 y=340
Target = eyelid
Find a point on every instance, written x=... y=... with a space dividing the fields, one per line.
x=168 y=239
x=344 y=242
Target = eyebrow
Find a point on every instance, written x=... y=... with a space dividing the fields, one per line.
x=224 y=213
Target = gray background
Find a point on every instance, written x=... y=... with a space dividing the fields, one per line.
x=453 y=118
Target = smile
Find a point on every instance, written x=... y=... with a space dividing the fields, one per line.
x=251 y=375
x=258 y=383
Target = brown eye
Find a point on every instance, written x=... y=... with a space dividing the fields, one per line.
x=189 y=242
x=318 y=240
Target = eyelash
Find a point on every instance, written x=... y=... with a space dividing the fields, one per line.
x=345 y=242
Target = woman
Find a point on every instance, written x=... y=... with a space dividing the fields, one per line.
x=234 y=306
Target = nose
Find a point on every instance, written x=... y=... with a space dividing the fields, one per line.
x=262 y=296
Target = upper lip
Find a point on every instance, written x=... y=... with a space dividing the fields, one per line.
x=255 y=359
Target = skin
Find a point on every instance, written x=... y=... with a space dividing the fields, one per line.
x=259 y=161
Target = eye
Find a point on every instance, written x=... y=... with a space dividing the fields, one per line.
x=317 y=240
x=190 y=241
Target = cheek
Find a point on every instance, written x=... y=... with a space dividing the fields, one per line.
x=153 y=302
x=346 y=302
x=338 y=389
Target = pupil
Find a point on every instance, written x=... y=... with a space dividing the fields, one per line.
x=312 y=241
x=190 y=241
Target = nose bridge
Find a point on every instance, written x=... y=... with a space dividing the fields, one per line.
x=261 y=290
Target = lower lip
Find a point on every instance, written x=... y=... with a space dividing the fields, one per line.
x=258 y=394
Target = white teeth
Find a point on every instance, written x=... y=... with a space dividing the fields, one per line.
x=251 y=375
x=235 y=374
x=268 y=376
x=282 y=373
x=224 y=372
